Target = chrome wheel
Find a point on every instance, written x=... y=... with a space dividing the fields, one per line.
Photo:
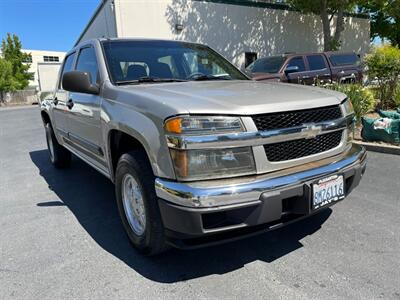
x=132 y=199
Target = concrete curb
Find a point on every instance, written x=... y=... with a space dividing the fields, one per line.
x=388 y=149
x=14 y=107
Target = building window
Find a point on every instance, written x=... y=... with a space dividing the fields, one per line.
x=249 y=58
x=51 y=58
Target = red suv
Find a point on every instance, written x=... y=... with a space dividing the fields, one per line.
x=308 y=67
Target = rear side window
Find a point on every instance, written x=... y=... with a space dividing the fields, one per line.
x=68 y=64
x=316 y=62
x=344 y=59
x=87 y=62
x=297 y=62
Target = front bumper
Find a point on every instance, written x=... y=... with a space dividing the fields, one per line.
x=206 y=212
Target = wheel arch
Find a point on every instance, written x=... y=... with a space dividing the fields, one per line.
x=123 y=140
x=45 y=117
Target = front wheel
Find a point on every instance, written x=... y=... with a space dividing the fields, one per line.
x=137 y=203
x=59 y=156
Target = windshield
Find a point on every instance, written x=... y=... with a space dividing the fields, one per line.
x=270 y=64
x=161 y=61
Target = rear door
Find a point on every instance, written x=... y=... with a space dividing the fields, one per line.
x=301 y=74
x=318 y=69
x=59 y=107
x=84 y=128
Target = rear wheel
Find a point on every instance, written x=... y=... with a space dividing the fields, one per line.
x=59 y=156
x=137 y=203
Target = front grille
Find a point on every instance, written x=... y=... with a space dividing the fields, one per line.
x=296 y=118
x=303 y=147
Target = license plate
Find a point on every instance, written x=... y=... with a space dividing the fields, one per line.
x=328 y=190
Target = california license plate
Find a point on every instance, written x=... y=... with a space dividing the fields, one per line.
x=328 y=190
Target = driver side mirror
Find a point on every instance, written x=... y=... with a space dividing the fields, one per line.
x=79 y=82
x=291 y=69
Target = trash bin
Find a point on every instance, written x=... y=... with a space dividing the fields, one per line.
x=389 y=114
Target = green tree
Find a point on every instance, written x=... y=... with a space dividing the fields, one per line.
x=330 y=11
x=384 y=64
x=385 y=19
x=7 y=81
x=11 y=51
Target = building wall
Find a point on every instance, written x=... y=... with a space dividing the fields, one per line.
x=233 y=29
x=103 y=23
x=37 y=58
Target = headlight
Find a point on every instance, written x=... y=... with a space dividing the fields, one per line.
x=348 y=107
x=203 y=125
x=197 y=164
x=208 y=164
x=349 y=110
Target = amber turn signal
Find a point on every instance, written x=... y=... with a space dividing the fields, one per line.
x=174 y=125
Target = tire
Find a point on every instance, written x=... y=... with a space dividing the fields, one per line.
x=134 y=183
x=59 y=156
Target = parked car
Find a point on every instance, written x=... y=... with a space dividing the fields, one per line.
x=198 y=153
x=307 y=68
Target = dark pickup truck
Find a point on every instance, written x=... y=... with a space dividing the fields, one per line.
x=307 y=68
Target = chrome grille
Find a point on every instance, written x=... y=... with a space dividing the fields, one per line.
x=304 y=147
x=296 y=118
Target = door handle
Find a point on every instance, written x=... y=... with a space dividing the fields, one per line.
x=70 y=103
x=55 y=101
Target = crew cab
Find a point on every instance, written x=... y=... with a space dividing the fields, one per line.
x=199 y=153
x=307 y=68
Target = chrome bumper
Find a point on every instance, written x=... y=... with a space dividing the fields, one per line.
x=247 y=190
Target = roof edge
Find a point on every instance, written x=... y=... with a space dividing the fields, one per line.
x=279 y=6
x=91 y=20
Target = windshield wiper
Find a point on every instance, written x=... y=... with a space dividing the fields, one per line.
x=148 y=79
x=210 y=77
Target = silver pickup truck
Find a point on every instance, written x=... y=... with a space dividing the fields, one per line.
x=199 y=154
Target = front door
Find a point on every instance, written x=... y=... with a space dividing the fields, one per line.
x=301 y=74
x=59 y=106
x=84 y=128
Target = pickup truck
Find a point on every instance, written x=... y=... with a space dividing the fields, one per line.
x=199 y=153
x=307 y=68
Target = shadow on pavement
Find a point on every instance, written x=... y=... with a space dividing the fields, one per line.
x=90 y=197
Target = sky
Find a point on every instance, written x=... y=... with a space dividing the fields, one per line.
x=46 y=24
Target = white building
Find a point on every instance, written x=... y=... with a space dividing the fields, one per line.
x=238 y=29
x=44 y=66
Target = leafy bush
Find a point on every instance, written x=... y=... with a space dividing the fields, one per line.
x=384 y=65
x=362 y=98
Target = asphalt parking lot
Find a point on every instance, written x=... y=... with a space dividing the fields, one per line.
x=61 y=237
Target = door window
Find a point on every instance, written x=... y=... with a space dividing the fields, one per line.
x=68 y=64
x=87 y=63
x=297 y=62
x=316 y=62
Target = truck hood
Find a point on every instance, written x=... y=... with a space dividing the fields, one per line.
x=234 y=97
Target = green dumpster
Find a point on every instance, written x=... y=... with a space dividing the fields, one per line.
x=389 y=114
x=381 y=129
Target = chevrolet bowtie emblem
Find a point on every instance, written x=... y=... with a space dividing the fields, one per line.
x=311 y=131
